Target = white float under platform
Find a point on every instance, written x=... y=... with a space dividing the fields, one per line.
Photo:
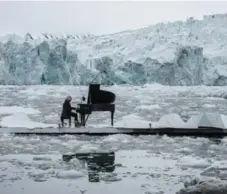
x=198 y=132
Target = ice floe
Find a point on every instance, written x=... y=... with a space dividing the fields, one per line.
x=70 y=174
x=22 y=120
x=206 y=186
x=189 y=161
x=17 y=109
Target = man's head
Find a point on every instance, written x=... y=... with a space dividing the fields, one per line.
x=69 y=98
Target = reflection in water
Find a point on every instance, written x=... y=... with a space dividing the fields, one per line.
x=216 y=140
x=96 y=162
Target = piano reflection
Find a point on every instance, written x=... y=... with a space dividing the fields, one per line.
x=97 y=100
x=96 y=162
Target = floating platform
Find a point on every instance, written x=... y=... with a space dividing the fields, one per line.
x=197 y=132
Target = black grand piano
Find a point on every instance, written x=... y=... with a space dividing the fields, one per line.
x=97 y=100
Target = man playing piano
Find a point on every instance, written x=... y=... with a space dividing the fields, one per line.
x=67 y=112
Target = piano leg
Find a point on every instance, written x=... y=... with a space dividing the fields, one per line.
x=112 y=117
x=82 y=119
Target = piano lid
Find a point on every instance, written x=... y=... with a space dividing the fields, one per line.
x=97 y=96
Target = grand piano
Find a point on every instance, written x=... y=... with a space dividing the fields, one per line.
x=97 y=100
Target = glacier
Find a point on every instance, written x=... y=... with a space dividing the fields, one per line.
x=191 y=52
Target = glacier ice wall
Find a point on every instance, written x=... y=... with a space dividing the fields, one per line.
x=178 y=53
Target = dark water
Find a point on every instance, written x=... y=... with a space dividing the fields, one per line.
x=116 y=163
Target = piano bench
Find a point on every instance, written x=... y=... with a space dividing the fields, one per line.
x=65 y=118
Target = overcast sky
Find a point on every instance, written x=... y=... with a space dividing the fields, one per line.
x=96 y=17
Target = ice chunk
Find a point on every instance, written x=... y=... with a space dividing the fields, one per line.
x=205 y=186
x=148 y=107
x=22 y=120
x=132 y=121
x=17 y=109
x=224 y=120
x=70 y=174
x=206 y=120
x=192 y=162
x=170 y=120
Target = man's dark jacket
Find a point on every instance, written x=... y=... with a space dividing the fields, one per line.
x=66 y=111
